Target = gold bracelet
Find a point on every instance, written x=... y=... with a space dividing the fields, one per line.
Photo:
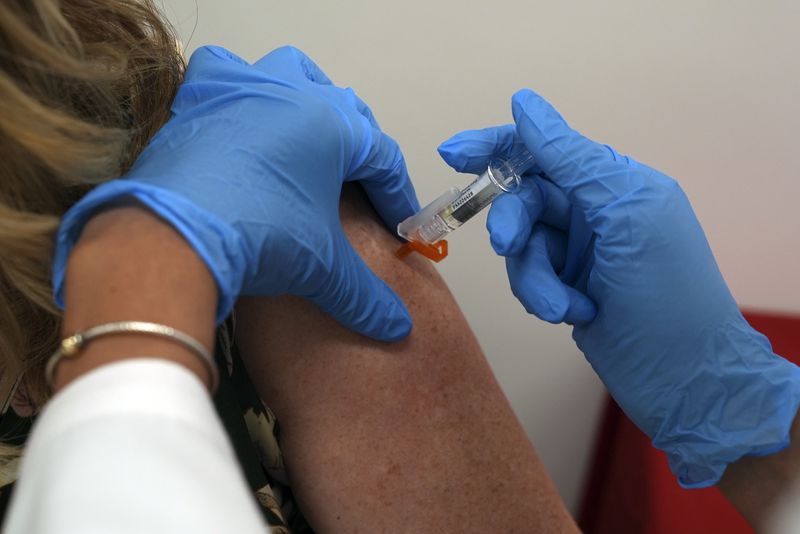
x=71 y=346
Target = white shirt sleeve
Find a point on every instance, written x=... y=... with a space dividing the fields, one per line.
x=131 y=447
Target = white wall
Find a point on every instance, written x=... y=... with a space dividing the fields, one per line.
x=707 y=91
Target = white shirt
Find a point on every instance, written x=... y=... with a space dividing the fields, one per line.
x=131 y=447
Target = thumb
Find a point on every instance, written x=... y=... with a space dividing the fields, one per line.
x=359 y=300
x=592 y=175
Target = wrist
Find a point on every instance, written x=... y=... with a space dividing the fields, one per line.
x=130 y=265
x=747 y=410
x=213 y=240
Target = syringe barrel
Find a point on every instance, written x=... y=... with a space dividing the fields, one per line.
x=424 y=219
x=503 y=175
x=454 y=207
x=477 y=195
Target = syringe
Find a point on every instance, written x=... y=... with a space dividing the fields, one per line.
x=455 y=207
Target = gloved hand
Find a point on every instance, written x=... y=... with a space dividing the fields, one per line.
x=667 y=338
x=249 y=170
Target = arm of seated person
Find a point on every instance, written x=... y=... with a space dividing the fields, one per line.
x=766 y=489
x=414 y=436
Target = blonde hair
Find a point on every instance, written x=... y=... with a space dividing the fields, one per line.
x=84 y=84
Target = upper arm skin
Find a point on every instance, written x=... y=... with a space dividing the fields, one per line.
x=765 y=489
x=414 y=436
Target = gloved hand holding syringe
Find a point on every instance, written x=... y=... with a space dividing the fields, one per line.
x=426 y=229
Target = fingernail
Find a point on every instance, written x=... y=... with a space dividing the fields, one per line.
x=517 y=103
x=583 y=310
x=452 y=155
x=399 y=324
x=557 y=310
x=447 y=147
x=500 y=243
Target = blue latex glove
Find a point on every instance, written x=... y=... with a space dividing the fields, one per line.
x=668 y=339
x=249 y=170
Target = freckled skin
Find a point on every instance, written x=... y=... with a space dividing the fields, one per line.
x=414 y=436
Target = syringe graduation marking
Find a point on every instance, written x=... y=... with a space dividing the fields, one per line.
x=454 y=207
x=473 y=199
